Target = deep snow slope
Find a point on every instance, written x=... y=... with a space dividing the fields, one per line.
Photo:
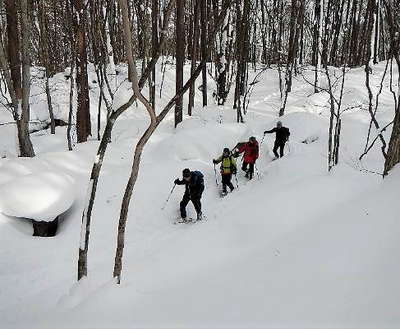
x=296 y=247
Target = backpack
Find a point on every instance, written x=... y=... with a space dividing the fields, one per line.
x=198 y=178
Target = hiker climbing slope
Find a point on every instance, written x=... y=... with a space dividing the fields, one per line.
x=228 y=167
x=251 y=151
x=282 y=136
x=194 y=187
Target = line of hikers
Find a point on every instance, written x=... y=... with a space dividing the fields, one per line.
x=194 y=180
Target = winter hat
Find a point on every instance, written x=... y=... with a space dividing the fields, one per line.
x=279 y=124
x=252 y=139
x=226 y=150
x=186 y=172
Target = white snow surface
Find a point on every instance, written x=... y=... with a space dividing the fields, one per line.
x=296 y=247
x=41 y=196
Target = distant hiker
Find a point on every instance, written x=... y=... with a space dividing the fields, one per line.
x=194 y=187
x=250 y=156
x=282 y=136
x=228 y=167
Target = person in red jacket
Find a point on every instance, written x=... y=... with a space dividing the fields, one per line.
x=250 y=150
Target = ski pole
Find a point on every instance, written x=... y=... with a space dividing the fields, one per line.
x=237 y=182
x=262 y=140
x=166 y=201
x=258 y=174
x=215 y=173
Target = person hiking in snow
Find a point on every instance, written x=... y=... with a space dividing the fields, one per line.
x=250 y=156
x=194 y=187
x=228 y=167
x=282 y=136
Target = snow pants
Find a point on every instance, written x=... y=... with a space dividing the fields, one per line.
x=185 y=200
x=227 y=181
x=279 y=145
x=250 y=171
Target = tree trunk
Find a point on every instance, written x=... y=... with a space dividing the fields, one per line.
x=26 y=147
x=13 y=47
x=180 y=56
x=83 y=124
x=203 y=19
x=194 y=52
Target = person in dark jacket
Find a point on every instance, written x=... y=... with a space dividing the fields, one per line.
x=194 y=187
x=282 y=136
x=250 y=156
x=228 y=167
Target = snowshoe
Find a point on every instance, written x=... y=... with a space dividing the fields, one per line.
x=183 y=221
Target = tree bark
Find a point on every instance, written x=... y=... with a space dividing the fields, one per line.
x=83 y=124
x=180 y=57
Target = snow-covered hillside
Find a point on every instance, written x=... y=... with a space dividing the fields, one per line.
x=296 y=247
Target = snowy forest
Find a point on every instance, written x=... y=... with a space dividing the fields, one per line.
x=199 y=164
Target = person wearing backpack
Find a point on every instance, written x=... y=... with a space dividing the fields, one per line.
x=194 y=187
x=282 y=136
x=228 y=167
x=250 y=156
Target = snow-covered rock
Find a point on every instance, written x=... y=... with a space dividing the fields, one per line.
x=40 y=197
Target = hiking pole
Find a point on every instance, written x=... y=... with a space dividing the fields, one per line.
x=166 y=201
x=262 y=140
x=258 y=174
x=215 y=173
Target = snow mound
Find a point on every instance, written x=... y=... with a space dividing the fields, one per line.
x=41 y=196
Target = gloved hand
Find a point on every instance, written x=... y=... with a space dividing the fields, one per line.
x=215 y=161
x=236 y=154
x=176 y=181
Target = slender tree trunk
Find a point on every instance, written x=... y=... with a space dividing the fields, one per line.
x=13 y=47
x=154 y=45
x=180 y=56
x=194 y=52
x=203 y=19
x=45 y=59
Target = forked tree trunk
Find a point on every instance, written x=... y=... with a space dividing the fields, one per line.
x=154 y=122
x=97 y=165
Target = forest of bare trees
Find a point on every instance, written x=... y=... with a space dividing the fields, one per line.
x=220 y=39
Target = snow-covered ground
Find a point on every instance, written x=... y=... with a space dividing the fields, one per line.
x=296 y=247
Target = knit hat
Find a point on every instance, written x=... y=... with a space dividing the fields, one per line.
x=186 y=172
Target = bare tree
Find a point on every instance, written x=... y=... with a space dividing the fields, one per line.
x=155 y=120
x=19 y=95
x=101 y=151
